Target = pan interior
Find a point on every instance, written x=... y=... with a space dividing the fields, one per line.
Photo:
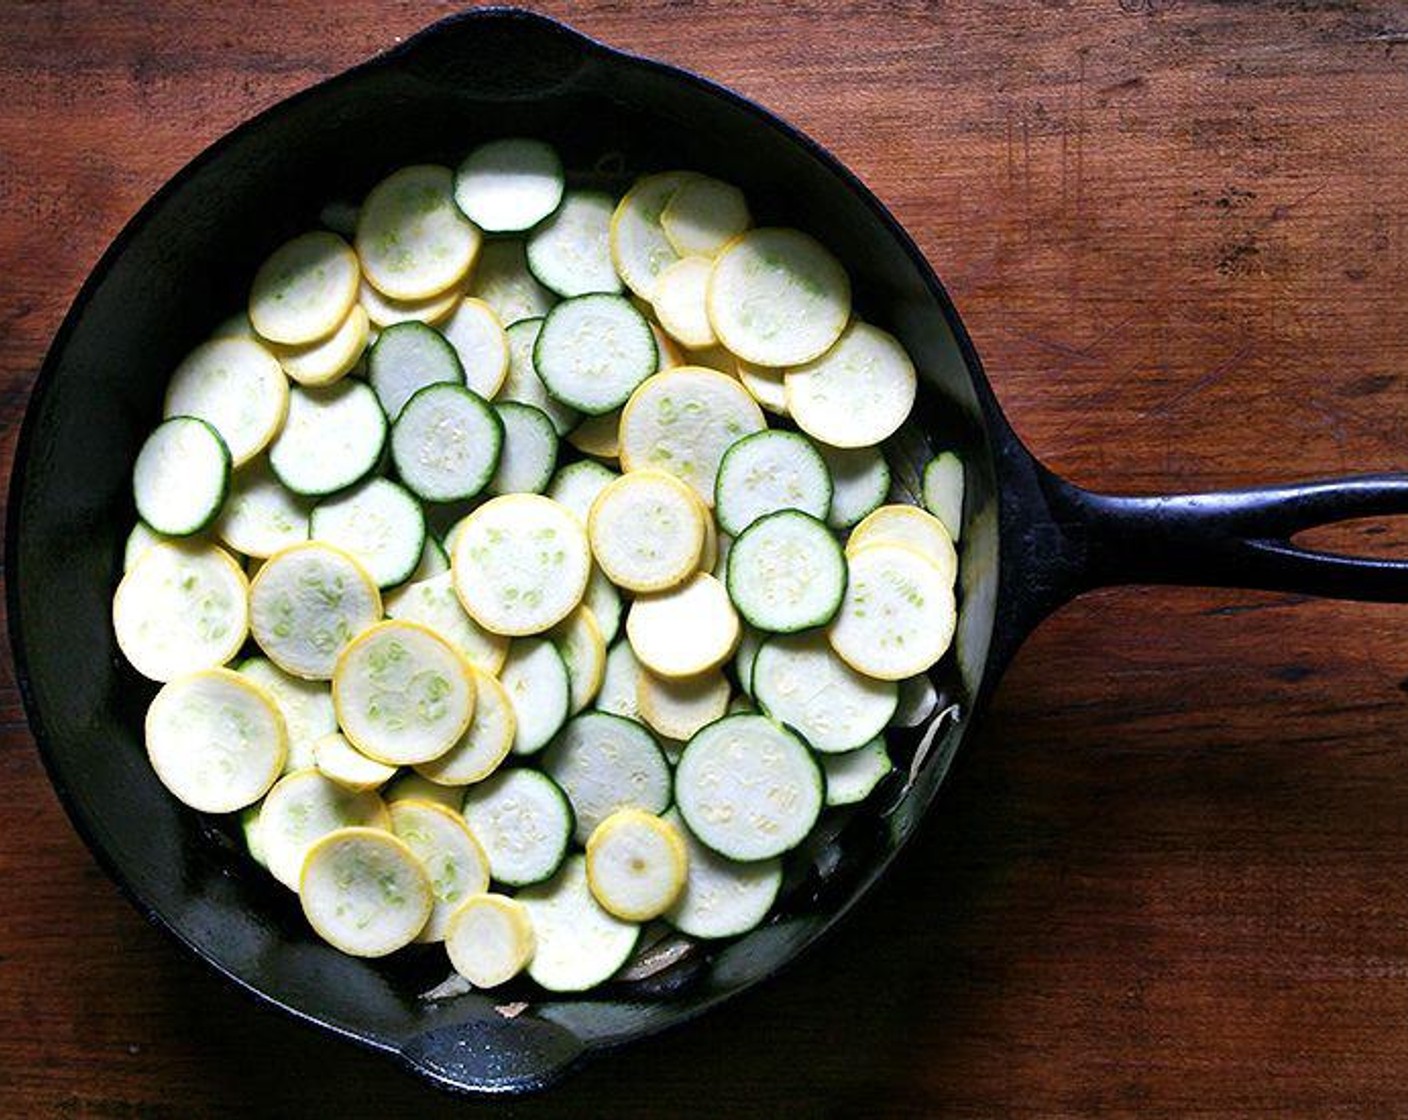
x=182 y=266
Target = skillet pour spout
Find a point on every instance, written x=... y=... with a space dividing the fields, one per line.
x=1031 y=540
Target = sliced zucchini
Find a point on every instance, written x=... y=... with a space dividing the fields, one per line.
x=639 y=248
x=577 y=484
x=506 y=186
x=912 y=527
x=529 y=453
x=339 y=761
x=490 y=939
x=580 y=945
x=778 y=298
x=604 y=601
x=402 y=693
x=332 y=438
x=524 y=823
x=249 y=829
x=182 y=607
x=598 y=436
x=379 y=524
x=260 y=517
x=800 y=682
x=383 y=311
x=236 y=326
x=766 y=386
x=216 y=740
x=433 y=603
x=683 y=420
x=305 y=705
x=853 y=776
x=636 y=865
x=521 y=564
x=503 y=281
x=446 y=443
x=898 y=616
x=770 y=471
x=703 y=216
x=582 y=648
x=646 y=531
x=450 y=854
x=305 y=289
x=678 y=708
x=943 y=491
x=301 y=808
x=620 y=682
x=478 y=338
x=340 y=216
x=860 y=479
x=364 y=892
x=412 y=239
x=329 y=359
x=307 y=603
x=143 y=537
x=486 y=743
x=593 y=350
x=687 y=630
x=786 y=573
x=540 y=691
x=571 y=251
x=523 y=383
x=748 y=645
x=237 y=387
x=917 y=702
x=181 y=476
x=434 y=560
x=604 y=762
x=407 y=358
x=681 y=302
x=747 y=788
x=721 y=897
x=856 y=394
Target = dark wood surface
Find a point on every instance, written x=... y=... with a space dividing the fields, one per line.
x=1173 y=877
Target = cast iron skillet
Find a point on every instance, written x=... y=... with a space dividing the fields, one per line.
x=1031 y=540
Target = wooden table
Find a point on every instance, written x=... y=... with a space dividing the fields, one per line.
x=1171 y=880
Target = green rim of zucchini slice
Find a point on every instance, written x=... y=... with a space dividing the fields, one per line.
x=181 y=476
x=237 y=387
x=379 y=524
x=580 y=944
x=506 y=186
x=524 y=822
x=800 y=682
x=571 y=251
x=786 y=573
x=446 y=443
x=604 y=762
x=593 y=350
x=406 y=358
x=770 y=471
x=333 y=438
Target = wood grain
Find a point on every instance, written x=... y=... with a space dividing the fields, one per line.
x=1170 y=880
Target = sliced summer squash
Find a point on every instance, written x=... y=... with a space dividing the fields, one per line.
x=412 y=239
x=383 y=311
x=598 y=436
x=143 y=536
x=305 y=289
x=681 y=302
x=539 y=690
x=898 y=616
x=910 y=526
x=238 y=388
x=506 y=186
x=604 y=601
x=683 y=421
x=484 y=745
x=433 y=603
x=639 y=248
x=577 y=485
x=364 y=892
x=305 y=705
x=379 y=524
x=303 y=807
x=502 y=280
x=687 y=630
x=853 y=776
x=620 y=682
x=580 y=944
x=636 y=865
x=307 y=603
x=332 y=438
x=410 y=785
x=703 y=216
x=521 y=564
x=182 y=607
x=857 y=393
x=605 y=762
x=582 y=648
x=767 y=386
x=860 y=479
x=678 y=708
x=747 y=788
x=339 y=761
x=402 y=693
x=181 y=476
x=523 y=383
x=450 y=854
x=478 y=338
x=646 y=531
x=329 y=359
x=523 y=821
x=216 y=740
x=778 y=298
x=571 y=251
x=800 y=682
x=490 y=939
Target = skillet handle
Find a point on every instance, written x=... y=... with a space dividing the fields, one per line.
x=1235 y=538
